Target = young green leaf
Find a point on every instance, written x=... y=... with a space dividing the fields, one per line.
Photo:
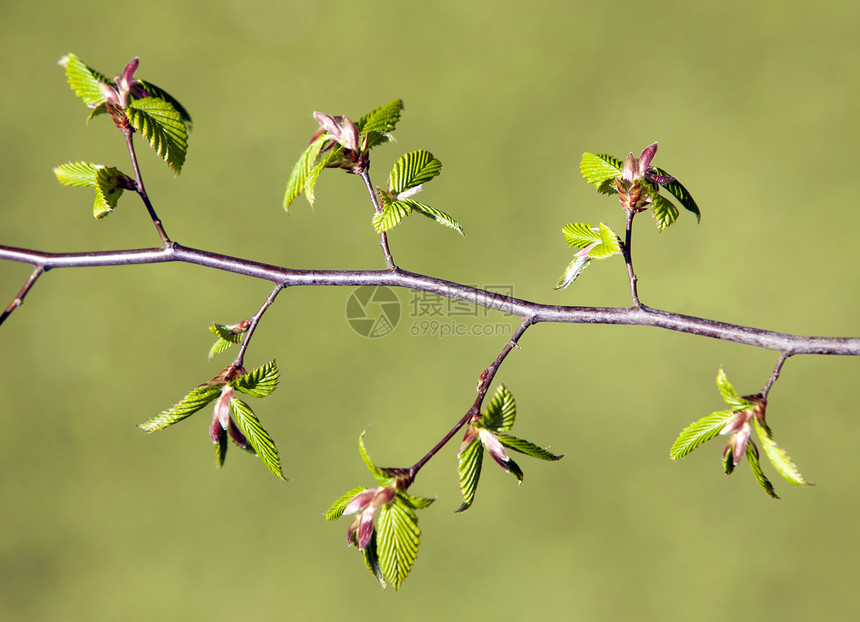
x=162 y=125
x=371 y=560
x=378 y=474
x=399 y=537
x=337 y=508
x=780 y=459
x=698 y=433
x=501 y=412
x=302 y=170
x=257 y=436
x=160 y=93
x=260 y=382
x=469 y=470
x=84 y=80
x=764 y=482
x=526 y=447
x=680 y=192
x=437 y=215
x=391 y=215
x=664 y=211
x=110 y=183
x=414 y=501
x=221 y=450
x=80 y=174
x=378 y=124
x=196 y=399
x=729 y=394
x=573 y=270
x=599 y=168
x=412 y=170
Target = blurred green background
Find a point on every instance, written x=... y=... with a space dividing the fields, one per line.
x=755 y=108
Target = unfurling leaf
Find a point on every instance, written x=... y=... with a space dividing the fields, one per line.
x=257 y=436
x=162 y=125
x=196 y=399
x=337 y=508
x=378 y=124
x=80 y=174
x=573 y=270
x=302 y=172
x=780 y=459
x=398 y=540
x=160 y=93
x=84 y=80
x=110 y=183
x=730 y=396
x=260 y=382
x=595 y=243
x=698 y=433
x=469 y=471
x=680 y=192
x=527 y=447
x=412 y=170
x=501 y=412
x=598 y=169
x=664 y=211
x=764 y=482
x=391 y=215
x=378 y=474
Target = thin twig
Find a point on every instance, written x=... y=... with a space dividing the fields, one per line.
x=628 y=258
x=141 y=190
x=643 y=316
x=240 y=357
x=484 y=382
x=19 y=299
x=775 y=375
x=377 y=208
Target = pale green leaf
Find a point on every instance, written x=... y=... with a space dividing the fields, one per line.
x=257 y=436
x=764 y=482
x=414 y=501
x=337 y=508
x=680 y=192
x=302 y=171
x=698 y=433
x=729 y=394
x=780 y=459
x=325 y=162
x=434 y=214
x=162 y=125
x=412 y=170
x=391 y=215
x=599 y=168
x=160 y=93
x=580 y=235
x=573 y=270
x=84 y=80
x=469 y=470
x=110 y=183
x=378 y=124
x=664 y=211
x=80 y=174
x=609 y=244
x=378 y=473
x=195 y=400
x=260 y=382
x=227 y=337
x=526 y=447
x=501 y=412
x=398 y=540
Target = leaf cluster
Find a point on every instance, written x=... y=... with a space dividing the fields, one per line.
x=743 y=411
x=489 y=431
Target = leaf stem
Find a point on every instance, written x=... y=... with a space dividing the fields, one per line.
x=484 y=382
x=240 y=357
x=783 y=357
x=383 y=237
x=628 y=259
x=141 y=190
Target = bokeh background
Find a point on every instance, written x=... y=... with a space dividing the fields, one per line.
x=755 y=108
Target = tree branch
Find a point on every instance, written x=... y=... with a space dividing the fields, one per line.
x=641 y=316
